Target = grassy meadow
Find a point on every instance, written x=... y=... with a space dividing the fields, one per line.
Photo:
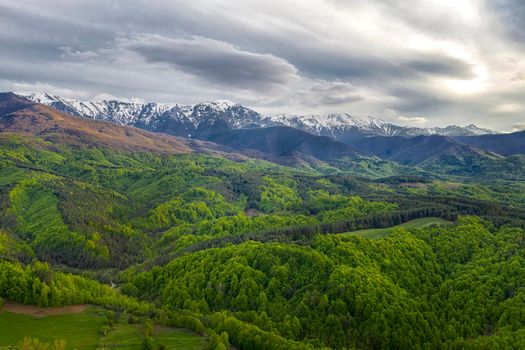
x=82 y=330
x=382 y=232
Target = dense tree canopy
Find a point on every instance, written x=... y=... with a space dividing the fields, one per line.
x=456 y=286
x=256 y=255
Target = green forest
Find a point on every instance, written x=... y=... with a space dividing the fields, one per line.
x=247 y=254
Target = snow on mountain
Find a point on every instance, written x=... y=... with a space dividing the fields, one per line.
x=188 y=120
x=173 y=118
x=124 y=113
x=454 y=130
x=337 y=125
x=324 y=122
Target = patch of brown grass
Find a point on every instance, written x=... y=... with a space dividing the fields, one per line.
x=42 y=311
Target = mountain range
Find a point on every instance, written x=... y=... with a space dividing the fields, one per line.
x=21 y=116
x=190 y=120
x=365 y=146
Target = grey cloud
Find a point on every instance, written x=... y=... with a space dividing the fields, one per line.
x=511 y=14
x=441 y=65
x=216 y=61
x=327 y=63
x=40 y=33
x=316 y=58
x=307 y=51
x=333 y=65
x=330 y=94
x=414 y=100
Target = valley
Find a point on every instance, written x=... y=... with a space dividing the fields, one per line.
x=254 y=238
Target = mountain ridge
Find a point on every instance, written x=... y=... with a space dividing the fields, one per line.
x=220 y=132
x=20 y=116
x=184 y=120
x=341 y=125
x=280 y=145
x=506 y=144
x=230 y=127
x=415 y=150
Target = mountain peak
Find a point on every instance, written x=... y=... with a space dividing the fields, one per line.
x=40 y=97
x=223 y=104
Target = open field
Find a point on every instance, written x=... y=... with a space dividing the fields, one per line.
x=80 y=330
x=382 y=232
x=79 y=325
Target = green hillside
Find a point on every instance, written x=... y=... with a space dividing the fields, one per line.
x=201 y=251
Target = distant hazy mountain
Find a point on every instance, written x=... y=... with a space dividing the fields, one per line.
x=413 y=150
x=446 y=155
x=281 y=141
x=189 y=120
x=506 y=144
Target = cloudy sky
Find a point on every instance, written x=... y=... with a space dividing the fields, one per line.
x=424 y=62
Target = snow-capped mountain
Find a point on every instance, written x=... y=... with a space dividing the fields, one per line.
x=328 y=124
x=171 y=118
x=199 y=119
x=339 y=125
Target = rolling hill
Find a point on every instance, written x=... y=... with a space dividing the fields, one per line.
x=506 y=144
x=413 y=150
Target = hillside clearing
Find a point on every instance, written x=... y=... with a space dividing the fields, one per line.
x=382 y=232
x=79 y=330
x=79 y=326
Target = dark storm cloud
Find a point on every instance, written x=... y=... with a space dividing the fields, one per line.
x=333 y=65
x=216 y=61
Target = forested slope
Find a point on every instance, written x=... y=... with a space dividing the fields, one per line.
x=458 y=287
x=247 y=252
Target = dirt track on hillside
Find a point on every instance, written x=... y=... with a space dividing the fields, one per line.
x=42 y=311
